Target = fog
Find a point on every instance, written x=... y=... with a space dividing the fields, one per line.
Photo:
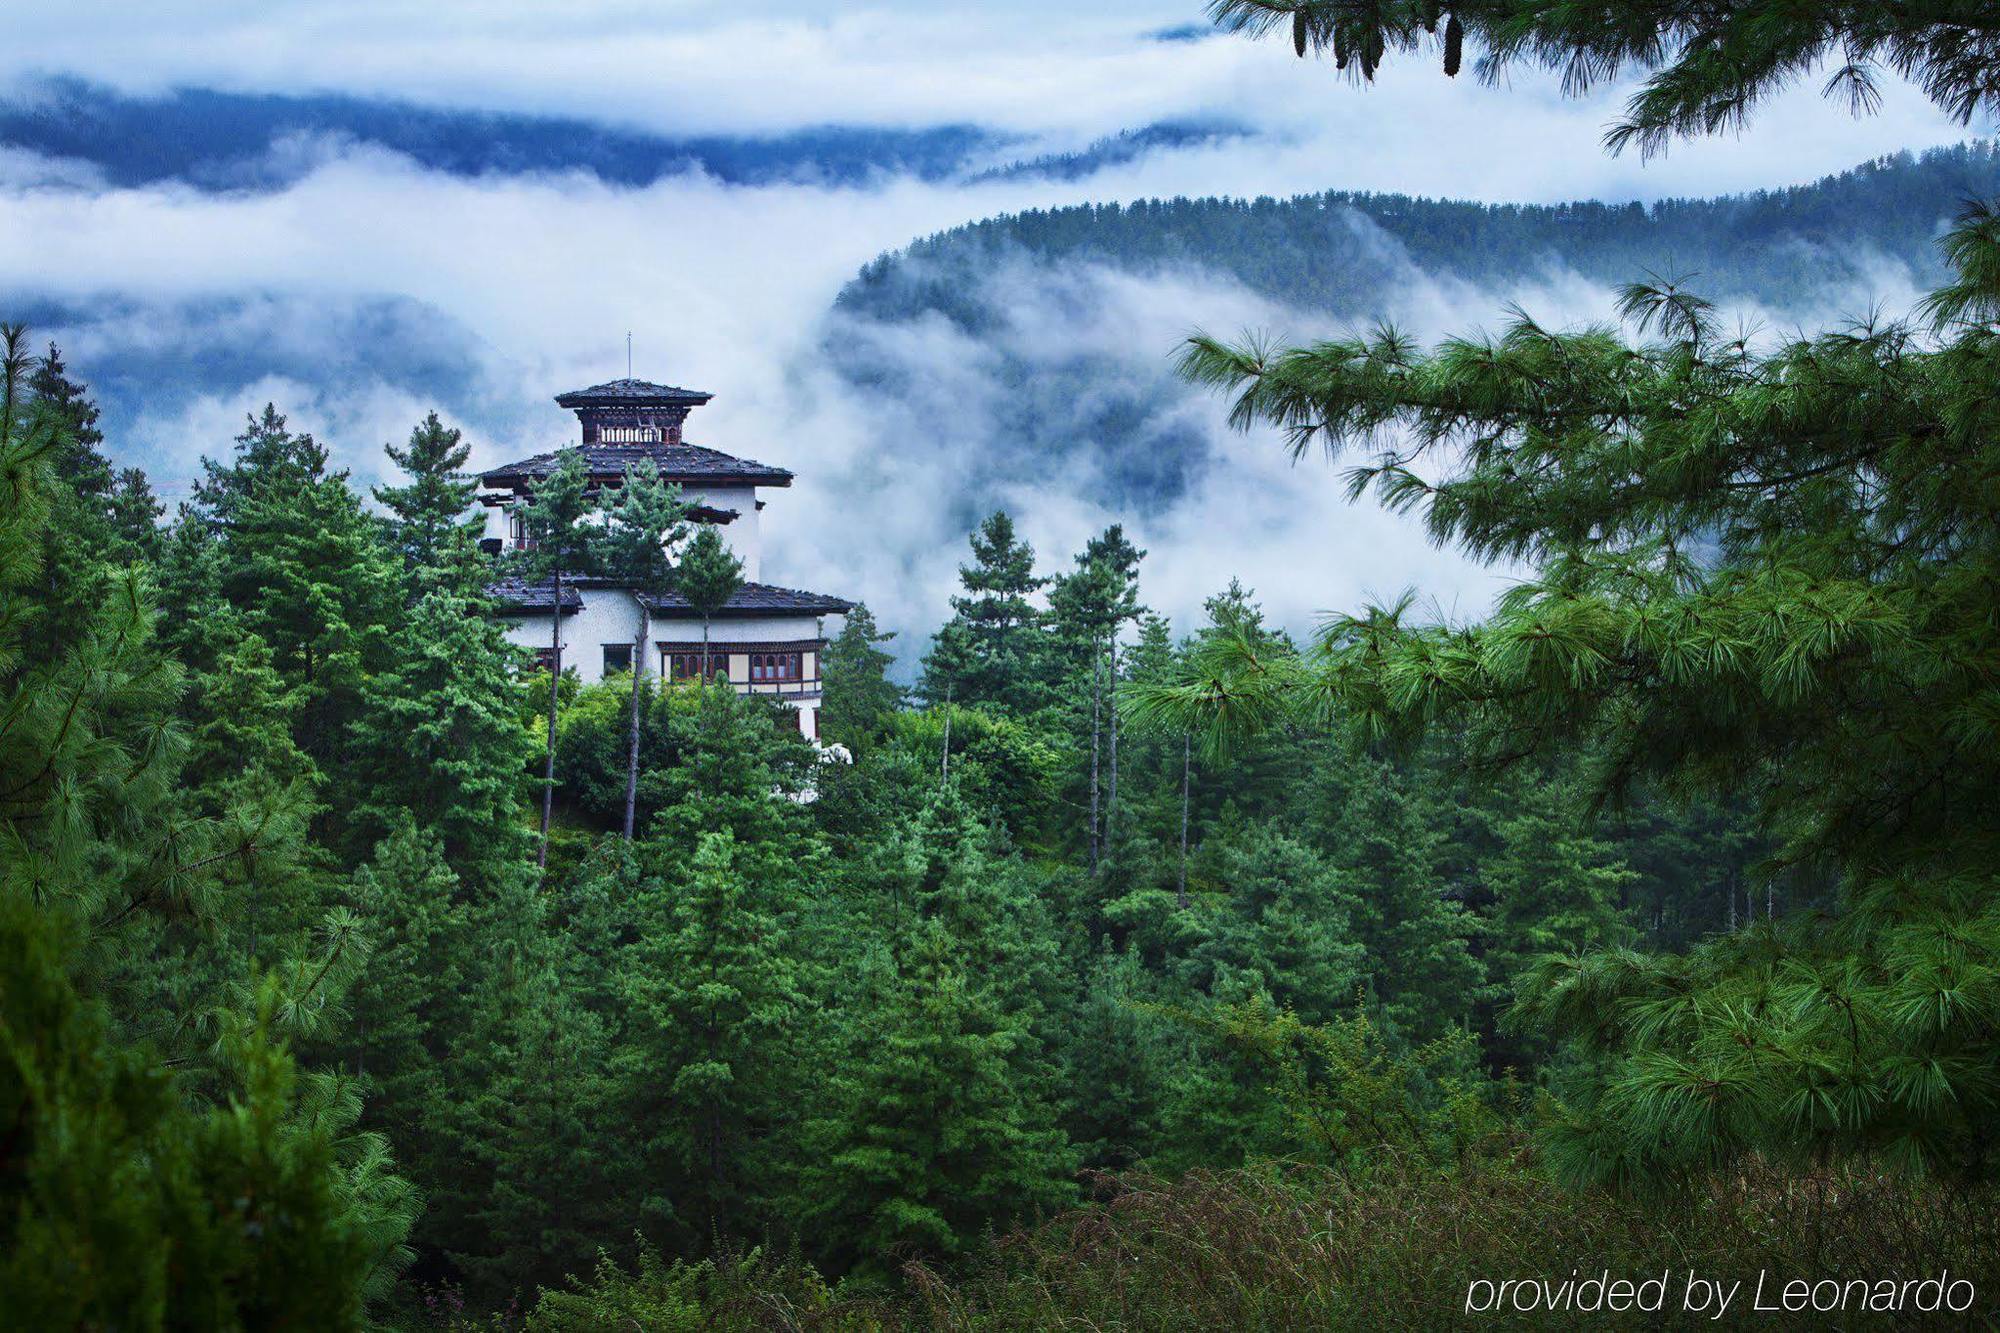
x=365 y=291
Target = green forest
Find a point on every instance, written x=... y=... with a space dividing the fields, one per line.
x=1323 y=252
x=355 y=971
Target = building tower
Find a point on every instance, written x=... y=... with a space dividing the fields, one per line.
x=767 y=640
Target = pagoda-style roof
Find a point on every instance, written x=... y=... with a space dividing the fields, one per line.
x=524 y=597
x=632 y=393
x=689 y=464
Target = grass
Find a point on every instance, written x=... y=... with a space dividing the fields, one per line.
x=1290 y=1246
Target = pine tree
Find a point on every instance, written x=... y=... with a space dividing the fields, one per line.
x=1554 y=888
x=734 y=768
x=80 y=465
x=709 y=1073
x=708 y=576
x=409 y=1006
x=427 y=519
x=134 y=514
x=245 y=716
x=860 y=697
x=1948 y=51
x=1115 y=1070
x=113 y=1180
x=933 y=1140
x=116 y=1160
x=646 y=521
x=550 y=1180
x=554 y=521
x=200 y=624
x=436 y=737
x=988 y=651
x=84 y=539
x=303 y=564
x=1154 y=661
x=1287 y=929
x=943 y=1117
x=1760 y=570
x=267 y=454
x=1087 y=609
x=1423 y=976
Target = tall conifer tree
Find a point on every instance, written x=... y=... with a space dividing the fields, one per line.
x=555 y=523
x=860 y=697
x=428 y=526
x=646 y=522
x=989 y=650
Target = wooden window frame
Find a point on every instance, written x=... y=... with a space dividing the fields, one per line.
x=687 y=665
x=778 y=668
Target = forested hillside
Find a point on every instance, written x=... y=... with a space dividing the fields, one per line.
x=275 y=901
x=1069 y=379
x=1780 y=248
x=220 y=140
x=863 y=1009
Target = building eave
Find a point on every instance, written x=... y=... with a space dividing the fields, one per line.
x=684 y=464
x=755 y=601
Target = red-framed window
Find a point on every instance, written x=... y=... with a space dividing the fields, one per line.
x=770 y=667
x=545 y=659
x=687 y=666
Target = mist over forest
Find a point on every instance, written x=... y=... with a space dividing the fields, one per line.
x=1038 y=293
x=918 y=665
x=1025 y=357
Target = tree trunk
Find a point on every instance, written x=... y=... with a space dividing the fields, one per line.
x=1187 y=745
x=1111 y=724
x=1770 y=899
x=1095 y=685
x=704 y=652
x=944 y=765
x=549 y=762
x=632 y=759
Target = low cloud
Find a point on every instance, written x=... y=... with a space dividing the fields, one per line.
x=361 y=291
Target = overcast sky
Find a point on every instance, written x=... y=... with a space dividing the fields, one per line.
x=1071 y=72
x=521 y=285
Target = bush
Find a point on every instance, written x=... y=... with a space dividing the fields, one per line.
x=1294 y=1246
x=1288 y=1245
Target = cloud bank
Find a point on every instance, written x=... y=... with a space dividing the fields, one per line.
x=357 y=289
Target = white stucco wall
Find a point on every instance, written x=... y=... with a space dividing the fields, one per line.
x=611 y=616
x=608 y=616
x=742 y=535
x=753 y=629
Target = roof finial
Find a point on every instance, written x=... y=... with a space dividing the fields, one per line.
x=628 y=354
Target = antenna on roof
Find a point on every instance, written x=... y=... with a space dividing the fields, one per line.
x=628 y=354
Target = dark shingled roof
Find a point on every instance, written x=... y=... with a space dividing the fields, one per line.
x=631 y=393
x=677 y=462
x=517 y=596
x=758 y=599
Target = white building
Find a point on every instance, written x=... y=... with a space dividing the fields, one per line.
x=766 y=640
